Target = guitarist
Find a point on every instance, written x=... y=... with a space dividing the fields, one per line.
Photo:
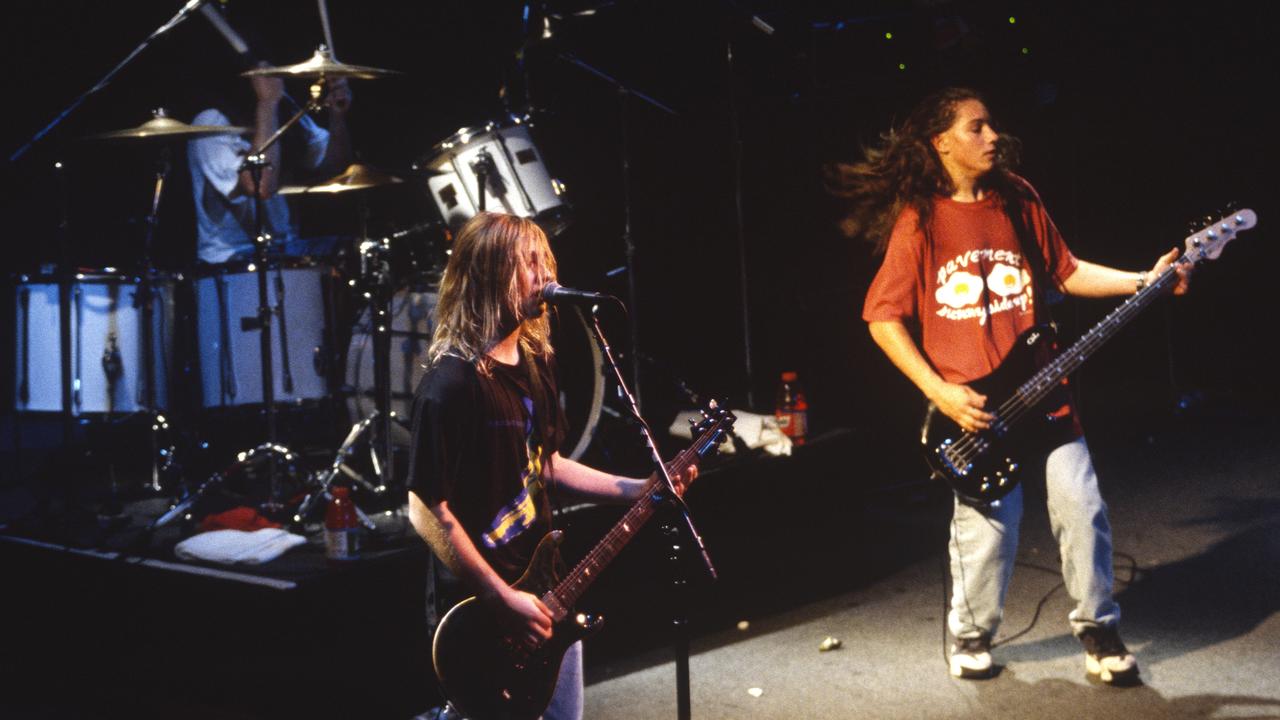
x=970 y=256
x=487 y=431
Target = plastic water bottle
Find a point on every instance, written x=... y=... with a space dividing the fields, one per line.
x=792 y=410
x=341 y=526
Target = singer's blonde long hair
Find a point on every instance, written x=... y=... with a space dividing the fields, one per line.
x=480 y=295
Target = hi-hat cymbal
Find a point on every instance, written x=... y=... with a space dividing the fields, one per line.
x=163 y=127
x=355 y=177
x=321 y=64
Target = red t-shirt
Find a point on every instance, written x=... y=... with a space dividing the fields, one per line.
x=937 y=289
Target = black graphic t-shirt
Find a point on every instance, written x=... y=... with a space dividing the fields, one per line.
x=480 y=444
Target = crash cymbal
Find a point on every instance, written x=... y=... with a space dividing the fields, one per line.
x=321 y=64
x=163 y=127
x=355 y=177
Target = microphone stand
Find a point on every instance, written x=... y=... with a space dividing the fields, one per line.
x=173 y=22
x=680 y=585
x=624 y=93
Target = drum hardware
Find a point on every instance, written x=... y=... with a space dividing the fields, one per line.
x=183 y=13
x=495 y=167
x=325 y=478
x=24 y=361
x=320 y=67
x=163 y=130
x=376 y=282
x=482 y=166
x=275 y=455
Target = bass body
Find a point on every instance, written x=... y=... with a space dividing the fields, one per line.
x=985 y=466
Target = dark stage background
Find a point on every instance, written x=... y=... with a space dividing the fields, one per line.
x=1137 y=120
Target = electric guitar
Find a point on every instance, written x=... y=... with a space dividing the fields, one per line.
x=484 y=673
x=982 y=467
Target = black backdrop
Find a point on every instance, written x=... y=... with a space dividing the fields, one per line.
x=1137 y=119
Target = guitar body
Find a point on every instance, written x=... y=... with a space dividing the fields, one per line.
x=487 y=676
x=984 y=467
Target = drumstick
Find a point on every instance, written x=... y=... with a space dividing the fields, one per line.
x=328 y=32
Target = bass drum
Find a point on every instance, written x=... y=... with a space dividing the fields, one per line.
x=578 y=358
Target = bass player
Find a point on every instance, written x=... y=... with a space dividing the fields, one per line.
x=970 y=257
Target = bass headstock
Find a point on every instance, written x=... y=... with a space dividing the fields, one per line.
x=1207 y=242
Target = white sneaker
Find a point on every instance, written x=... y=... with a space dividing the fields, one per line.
x=971 y=658
x=1106 y=658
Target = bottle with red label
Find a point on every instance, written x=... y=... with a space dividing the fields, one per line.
x=341 y=526
x=792 y=410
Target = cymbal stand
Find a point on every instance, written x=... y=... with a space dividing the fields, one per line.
x=254 y=162
x=375 y=272
x=329 y=474
x=145 y=299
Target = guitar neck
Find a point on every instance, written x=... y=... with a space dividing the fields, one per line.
x=1043 y=382
x=566 y=593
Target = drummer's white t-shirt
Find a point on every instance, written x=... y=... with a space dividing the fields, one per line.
x=225 y=216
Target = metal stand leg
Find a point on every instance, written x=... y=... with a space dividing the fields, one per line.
x=326 y=477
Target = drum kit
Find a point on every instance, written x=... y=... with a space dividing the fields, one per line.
x=264 y=331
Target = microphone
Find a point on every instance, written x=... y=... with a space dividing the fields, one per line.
x=554 y=292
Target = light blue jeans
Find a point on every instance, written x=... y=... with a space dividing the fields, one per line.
x=984 y=544
x=566 y=703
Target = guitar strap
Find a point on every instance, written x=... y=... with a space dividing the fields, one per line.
x=542 y=416
x=1041 y=284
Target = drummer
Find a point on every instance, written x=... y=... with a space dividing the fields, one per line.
x=224 y=191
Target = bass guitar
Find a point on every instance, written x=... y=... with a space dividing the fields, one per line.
x=982 y=467
x=488 y=675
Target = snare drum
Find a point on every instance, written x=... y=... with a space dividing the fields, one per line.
x=299 y=295
x=107 y=360
x=517 y=180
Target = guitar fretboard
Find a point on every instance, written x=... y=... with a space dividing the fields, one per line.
x=566 y=594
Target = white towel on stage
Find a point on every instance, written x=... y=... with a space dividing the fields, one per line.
x=238 y=546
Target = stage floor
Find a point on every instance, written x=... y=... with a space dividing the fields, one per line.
x=826 y=543
x=1195 y=508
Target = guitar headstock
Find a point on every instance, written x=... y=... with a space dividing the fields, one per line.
x=714 y=428
x=1207 y=243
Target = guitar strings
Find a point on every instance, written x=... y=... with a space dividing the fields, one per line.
x=635 y=516
x=972 y=444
